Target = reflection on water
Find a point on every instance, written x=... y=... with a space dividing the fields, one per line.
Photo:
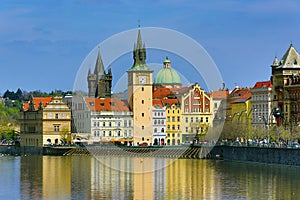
x=87 y=177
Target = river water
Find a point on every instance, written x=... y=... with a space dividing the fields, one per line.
x=88 y=177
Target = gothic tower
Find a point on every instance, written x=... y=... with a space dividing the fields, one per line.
x=140 y=94
x=100 y=82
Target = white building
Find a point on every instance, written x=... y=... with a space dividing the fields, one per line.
x=262 y=116
x=101 y=120
x=159 y=123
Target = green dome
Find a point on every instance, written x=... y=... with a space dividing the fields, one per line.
x=167 y=76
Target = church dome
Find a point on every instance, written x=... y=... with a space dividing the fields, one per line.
x=167 y=75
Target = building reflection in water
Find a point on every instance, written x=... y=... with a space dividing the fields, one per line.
x=87 y=177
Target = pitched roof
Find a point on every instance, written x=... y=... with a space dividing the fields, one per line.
x=220 y=94
x=290 y=59
x=106 y=104
x=263 y=84
x=37 y=100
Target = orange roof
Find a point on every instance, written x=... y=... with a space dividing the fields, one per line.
x=263 y=84
x=37 y=100
x=170 y=101
x=107 y=104
x=220 y=94
x=157 y=102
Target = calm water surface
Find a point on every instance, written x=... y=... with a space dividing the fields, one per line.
x=88 y=177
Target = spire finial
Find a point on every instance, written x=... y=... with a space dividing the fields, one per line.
x=139 y=23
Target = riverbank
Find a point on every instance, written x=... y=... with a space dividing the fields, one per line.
x=269 y=155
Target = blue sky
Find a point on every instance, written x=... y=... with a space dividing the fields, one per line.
x=43 y=43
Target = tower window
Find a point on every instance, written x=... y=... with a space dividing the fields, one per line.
x=143 y=127
x=142 y=88
x=143 y=114
x=56 y=115
x=143 y=103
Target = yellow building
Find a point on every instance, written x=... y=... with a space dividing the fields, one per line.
x=242 y=111
x=173 y=124
x=45 y=120
x=140 y=95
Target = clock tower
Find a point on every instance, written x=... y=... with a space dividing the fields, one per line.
x=140 y=94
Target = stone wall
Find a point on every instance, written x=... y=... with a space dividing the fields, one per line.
x=285 y=156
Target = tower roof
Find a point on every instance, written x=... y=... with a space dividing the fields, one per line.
x=99 y=67
x=167 y=75
x=290 y=59
x=139 y=55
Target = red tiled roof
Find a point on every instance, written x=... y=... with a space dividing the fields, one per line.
x=220 y=94
x=263 y=84
x=157 y=102
x=170 y=101
x=37 y=100
x=107 y=104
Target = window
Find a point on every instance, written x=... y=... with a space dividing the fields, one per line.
x=155 y=122
x=109 y=124
x=178 y=119
x=56 y=128
x=125 y=123
x=109 y=133
x=197 y=119
x=192 y=119
x=186 y=119
x=119 y=133
x=155 y=130
x=103 y=124
x=168 y=127
x=187 y=129
x=142 y=88
x=56 y=115
x=143 y=138
x=143 y=114
x=206 y=119
x=173 y=135
x=168 y=119
x=103 y=134
x=178 y=127
x=142 y=101
x=125 y=133
x=173 y=119
x=129 y=122
x=216 y=105
x=201 y=119
x=143 y=127
x=173 y=127
x=162 y=130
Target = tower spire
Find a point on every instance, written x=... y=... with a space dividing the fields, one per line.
x=99 y=68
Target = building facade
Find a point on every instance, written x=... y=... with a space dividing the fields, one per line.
x=261 y=96
x=173 y=124
x=103 y=120
x=45 y=121
x=197 y=113
x=159 y=123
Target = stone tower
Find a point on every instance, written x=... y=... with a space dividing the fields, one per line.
x=100 y=82
x=140 y=94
